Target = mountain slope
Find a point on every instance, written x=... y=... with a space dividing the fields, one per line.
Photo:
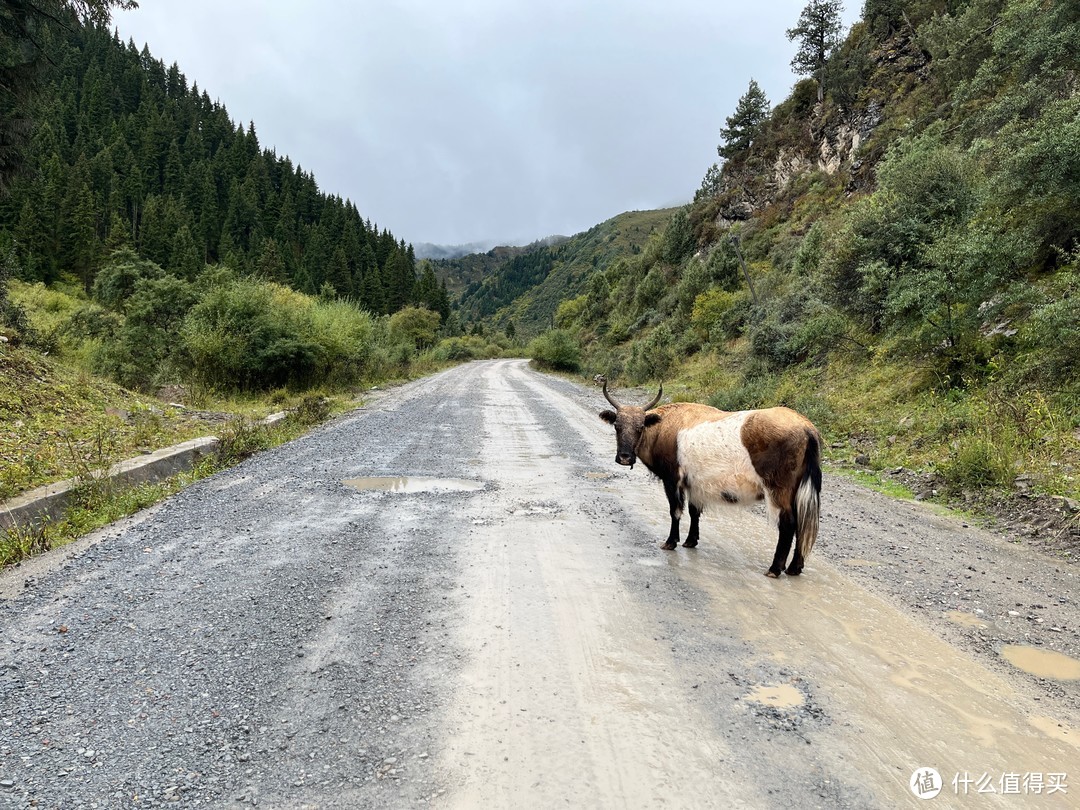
x=525 y=286
x=900 y=261
x=125 y=153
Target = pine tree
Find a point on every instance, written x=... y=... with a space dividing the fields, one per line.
x=743 y=124
x=22 y=29
x=372 y=294
x=185 y=259
x=174 y=171
x=818 y=33
x=79 y=232
x=269 y=265
x=427 y=286
x=164 y=167
x=337 y=274
x=316 y=258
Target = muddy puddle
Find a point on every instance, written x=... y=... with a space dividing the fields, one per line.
x=776 y=696
x=411 y=484
x=1042 y=663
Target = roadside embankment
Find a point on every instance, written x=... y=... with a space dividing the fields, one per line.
x=49 y=503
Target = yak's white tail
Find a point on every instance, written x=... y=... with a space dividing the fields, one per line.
x=808 y=498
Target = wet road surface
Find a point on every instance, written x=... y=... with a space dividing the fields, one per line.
x=454 y=597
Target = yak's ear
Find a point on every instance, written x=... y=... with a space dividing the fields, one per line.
x=652 y=419
x=608 y=416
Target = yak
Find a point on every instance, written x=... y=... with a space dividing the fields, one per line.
x=705 y=456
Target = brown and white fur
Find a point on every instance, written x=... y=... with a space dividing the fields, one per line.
x=706 y=456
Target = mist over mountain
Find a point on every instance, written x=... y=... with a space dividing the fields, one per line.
x=427 y=250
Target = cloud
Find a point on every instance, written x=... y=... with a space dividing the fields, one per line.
x=477 y=120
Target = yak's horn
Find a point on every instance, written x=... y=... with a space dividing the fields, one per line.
x=609 y=398
x=652 y=404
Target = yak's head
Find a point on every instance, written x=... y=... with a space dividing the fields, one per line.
x=630 y=422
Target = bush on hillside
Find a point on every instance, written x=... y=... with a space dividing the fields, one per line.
x=557 y=349
x=14 y=323
x=251 y=335
x=142 y=350
x=652 y=357
x=416 y=326
x=115 y=282
x=1049 y=341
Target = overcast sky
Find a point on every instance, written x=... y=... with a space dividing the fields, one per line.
x=454 y=121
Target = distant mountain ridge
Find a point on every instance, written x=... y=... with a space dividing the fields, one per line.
x=524 y=285
x=428 y=250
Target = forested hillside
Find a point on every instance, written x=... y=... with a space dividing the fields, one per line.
x=523 y=286
x=461 y=272
x=898 y=259
x=146 y=237
x=126 y=153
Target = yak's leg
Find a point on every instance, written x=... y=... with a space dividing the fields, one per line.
x=692 y=537
x=796 y=566
x=783 y=544
x=675 y=502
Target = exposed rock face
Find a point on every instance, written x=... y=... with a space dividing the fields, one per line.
x=831 y=147
x=842 y=145
x=836 y=147
x=829 y=137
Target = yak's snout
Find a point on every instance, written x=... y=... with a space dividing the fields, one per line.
x=624 y=458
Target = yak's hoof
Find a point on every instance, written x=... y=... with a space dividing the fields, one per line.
x=792 y=571
x=690 y=543
x=669 y=545
x=771 y=574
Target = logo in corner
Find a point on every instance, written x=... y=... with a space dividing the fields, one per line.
x=925 y=783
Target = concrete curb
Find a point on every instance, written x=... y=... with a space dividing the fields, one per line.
x=48 y=503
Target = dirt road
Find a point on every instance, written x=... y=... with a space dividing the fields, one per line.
x=455 y=597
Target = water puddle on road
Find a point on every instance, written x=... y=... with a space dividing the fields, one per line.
x=964 y=619
x=781 y=696
x=410 y=484
x=1042 y=663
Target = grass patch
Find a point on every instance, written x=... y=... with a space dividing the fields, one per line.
x=873 y=481
x=58 y=423
x=98 y=502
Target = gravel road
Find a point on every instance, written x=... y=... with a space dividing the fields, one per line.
x=454 y=597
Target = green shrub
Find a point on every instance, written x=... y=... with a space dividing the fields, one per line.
x=250 y=335
x=344 y=334
x=311 y=410
x=142 y=352
x=458 y=349
x=650 y=290
x=557 y=349
x=653 y=357
x=775 y=330
x=1050 y=340
x=978 y=462
x=720 y=315
x=115 y=283
x=417 y=326
x=755 y=391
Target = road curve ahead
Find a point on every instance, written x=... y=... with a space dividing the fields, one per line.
x=454 y=597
